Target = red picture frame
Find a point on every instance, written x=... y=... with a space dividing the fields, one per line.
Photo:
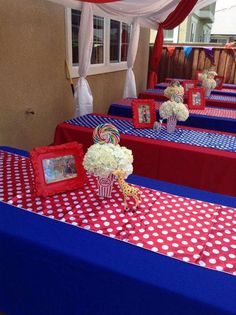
x=58 y=168
x=219 y=82
x=188 y=84
x=144 y=113
x=196 y=98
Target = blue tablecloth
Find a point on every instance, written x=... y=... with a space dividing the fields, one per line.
x=225 y=85
x=163 y=86
x=194 y=120
x=52 y=268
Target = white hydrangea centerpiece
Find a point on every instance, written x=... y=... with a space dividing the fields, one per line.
x=209 y=83
x=174 y=88
x=207 y=78
x=172 y=108
x=103 y=159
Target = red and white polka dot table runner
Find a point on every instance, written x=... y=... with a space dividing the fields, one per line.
x=189 y=230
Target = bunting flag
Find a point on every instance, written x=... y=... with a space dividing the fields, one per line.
x=209 y=53
x=171 y=50
x=229 y=45
x=231 y=50
x=187 y=51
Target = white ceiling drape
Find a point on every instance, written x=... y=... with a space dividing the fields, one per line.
x=150 y=12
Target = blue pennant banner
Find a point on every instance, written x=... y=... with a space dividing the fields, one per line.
x=187 y=51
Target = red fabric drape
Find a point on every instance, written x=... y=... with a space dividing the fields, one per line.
x=174 y=19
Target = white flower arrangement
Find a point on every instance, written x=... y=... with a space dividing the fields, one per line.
x=173 y=89
x=207 y=78
x=202 y=76
x=171 y=108
x=102 y=159
x=209 y=83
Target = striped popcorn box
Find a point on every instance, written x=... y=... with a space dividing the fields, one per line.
x=105 y=186
x=171 y=123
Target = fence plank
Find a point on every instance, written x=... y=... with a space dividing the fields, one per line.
x=195 y=63
x=233 y=69
x=176 y=60
x=228 y=66
x=216 y=58
x=201 y=60
x=181 y=63
x=222 y=61
x=234 y=80
x=207 y=63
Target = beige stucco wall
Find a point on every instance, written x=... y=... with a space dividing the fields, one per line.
x=32 y=75
x=32 y=56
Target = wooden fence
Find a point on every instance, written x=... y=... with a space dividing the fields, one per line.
x=179 y=66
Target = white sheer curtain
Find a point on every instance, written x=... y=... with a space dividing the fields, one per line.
x=83 y=94
x=130 y=84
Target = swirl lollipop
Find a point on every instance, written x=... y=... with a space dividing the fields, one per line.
x=106 y=133
x=177 y=97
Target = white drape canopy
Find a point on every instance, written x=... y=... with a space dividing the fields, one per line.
x=145 y=13
x=150 y=12
x=83 y=94
x=130 y=84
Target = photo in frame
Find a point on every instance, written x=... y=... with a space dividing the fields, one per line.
x=144 y=113
x=188 y=84
x=219 y=82
x=58 y=168
x=196 y=98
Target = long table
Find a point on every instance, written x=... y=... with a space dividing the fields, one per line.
x=223 y=91
x=211 y=118
x=225 y=85
x=224 y=101
x=184 y=164
x=49 y=267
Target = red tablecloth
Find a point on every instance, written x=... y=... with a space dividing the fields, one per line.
x=190 y=230
x=183 y=164
x=159 y=96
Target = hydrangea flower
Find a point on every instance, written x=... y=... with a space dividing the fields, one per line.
x=173 y=89
x=171 y=108
x=102 y=159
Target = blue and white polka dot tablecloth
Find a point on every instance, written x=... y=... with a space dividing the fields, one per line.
x=224 y=91
x=223 y=98
x=212 y=140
